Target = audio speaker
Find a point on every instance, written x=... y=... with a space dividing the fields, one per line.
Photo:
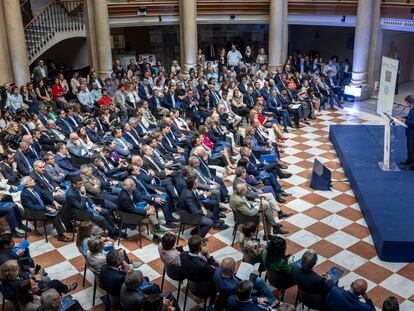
x=321 y=176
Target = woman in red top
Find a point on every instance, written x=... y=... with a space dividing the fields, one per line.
x=105 y=100
x=59 y=94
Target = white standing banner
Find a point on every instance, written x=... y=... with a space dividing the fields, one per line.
x=389 y=71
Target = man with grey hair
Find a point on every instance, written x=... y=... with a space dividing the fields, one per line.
x=34 y=198
x=128 y=202
x=52 y=301
x=307 y=279
x=239 y=203
x=23 y=160
x=209 y=174
x=254 y=193
x=41 y=178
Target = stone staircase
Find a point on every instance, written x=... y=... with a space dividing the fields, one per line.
x=59 y=20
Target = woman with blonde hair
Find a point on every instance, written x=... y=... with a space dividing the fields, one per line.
x=267 y=122
x=10 y=281
x=13 y=136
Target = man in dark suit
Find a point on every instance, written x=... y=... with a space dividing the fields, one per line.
x=152 y=182
x=128 y=201
x=409 y=132
x=45 y=183
x=214 y=96
x=76 y=198
x=112 y=274
x=190 y=202
x=249 y=98
x=35 y=199
x=92 y=131
x=24 y=128
x=32 y=154
x=63 y=160
x=24 y=162
x=149 y=162
x=197 y=264
x=64 y=124
x=153 y=198
x=8 y=168
x=170 y=98
x=145 y=90
x=309 y=280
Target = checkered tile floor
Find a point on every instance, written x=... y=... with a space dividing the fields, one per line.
x=329 y=222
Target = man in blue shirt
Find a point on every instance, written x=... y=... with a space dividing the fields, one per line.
x=339 y=299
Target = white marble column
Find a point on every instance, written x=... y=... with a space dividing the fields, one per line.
x=102 y=38
x=277 y=27
x=375 y=51
x=89 y=14
x=362 y=43
x=13 y=22
x=188 y=28
x=6 y=73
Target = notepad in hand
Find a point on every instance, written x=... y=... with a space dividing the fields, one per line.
x=162 y=196
x=216 y=155
x=140 y=205
x=22 y=245
x=51 y=213
x=295 y=106
x=264 y=175
x=245 y=269
x=18 y=188
x=268 y=158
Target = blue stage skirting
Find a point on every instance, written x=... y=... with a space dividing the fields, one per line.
x=386 y=198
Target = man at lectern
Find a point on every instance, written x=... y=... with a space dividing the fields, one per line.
x=409 y=131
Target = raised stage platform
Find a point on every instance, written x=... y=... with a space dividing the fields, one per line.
x=386 y=198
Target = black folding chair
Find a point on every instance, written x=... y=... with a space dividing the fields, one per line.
x=188 y=219
x=241 y=219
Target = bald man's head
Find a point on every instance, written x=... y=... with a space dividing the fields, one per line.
x=228 y=266
x=359 y=287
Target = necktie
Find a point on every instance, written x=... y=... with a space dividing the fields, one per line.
x=142 y=186
x=34 y=151
x=47 y=183
x=155 y=151
x=68 y=125
x=144 y=130
x=206 y=167
x=155 y=164
x=133 y=138
x=28 y=163
x=74 y=121
x=39 y=199
x=169 y=142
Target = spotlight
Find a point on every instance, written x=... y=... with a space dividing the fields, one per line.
x=232 y=16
